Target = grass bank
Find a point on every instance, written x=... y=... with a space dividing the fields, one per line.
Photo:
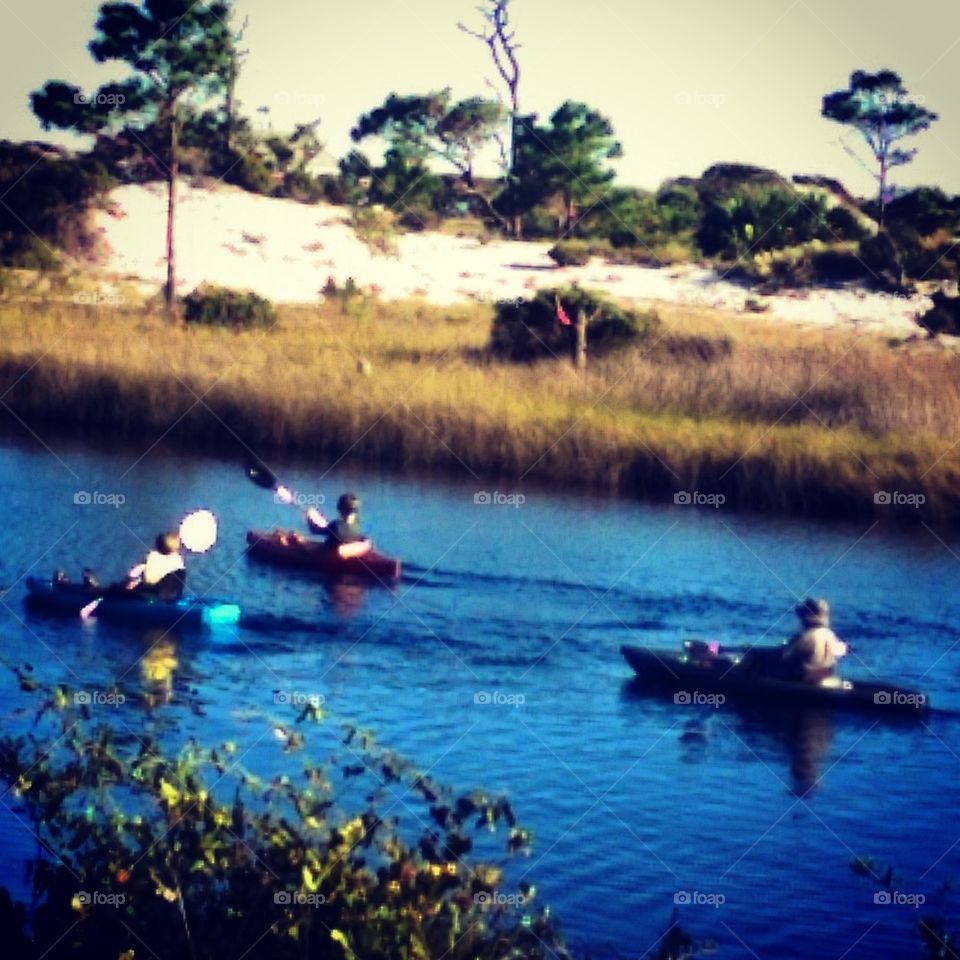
x=770 y=418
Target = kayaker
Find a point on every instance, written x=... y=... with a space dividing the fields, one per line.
x=344 y=530
x=163 y=572
x=812 y=654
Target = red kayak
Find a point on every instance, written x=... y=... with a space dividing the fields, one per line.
x=284 y=548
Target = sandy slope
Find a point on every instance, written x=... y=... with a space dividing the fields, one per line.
x=286 y=251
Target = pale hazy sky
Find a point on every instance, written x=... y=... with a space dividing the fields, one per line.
x=686 y=83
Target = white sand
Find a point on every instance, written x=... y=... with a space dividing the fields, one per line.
x=286 y=251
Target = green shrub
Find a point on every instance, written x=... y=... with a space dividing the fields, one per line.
x=882 y=259
x=46 y=194
x=530 y=330
x=844 y=225
x=222 y=307
x=195 y=856
x=571 y=253
x=943 y=316
x=249 y=172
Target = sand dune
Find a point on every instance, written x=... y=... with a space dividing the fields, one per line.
x=286 y=251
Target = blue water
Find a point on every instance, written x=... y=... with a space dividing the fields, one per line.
x=635 y=802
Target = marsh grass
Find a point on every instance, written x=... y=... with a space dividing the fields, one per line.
x=774 y=418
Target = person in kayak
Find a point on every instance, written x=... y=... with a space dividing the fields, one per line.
x=811 y=655
x=344 y=533
x=163 y=573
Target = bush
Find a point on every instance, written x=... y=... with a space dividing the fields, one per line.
x=46 y=194
x=198 y=857
x=376 y=227
x=572 y=253
x=844 y=225
x=249 y=172
x=943 y=316
x=882 y=258
x=529 y=330
x=222 y=307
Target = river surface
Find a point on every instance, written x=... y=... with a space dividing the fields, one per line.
x=748 y=820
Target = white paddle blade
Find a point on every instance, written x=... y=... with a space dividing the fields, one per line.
x=198 y=531
x=283 y=494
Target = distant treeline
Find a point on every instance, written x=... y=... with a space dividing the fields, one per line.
x=749 y=221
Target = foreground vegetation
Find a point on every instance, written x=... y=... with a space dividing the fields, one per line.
x=144 y=848
x=773 y=419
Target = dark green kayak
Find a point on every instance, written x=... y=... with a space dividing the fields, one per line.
x=694 y=678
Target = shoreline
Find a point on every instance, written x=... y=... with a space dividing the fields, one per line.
x=462 y=427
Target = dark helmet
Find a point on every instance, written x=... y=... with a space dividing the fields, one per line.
x=348 y=503
x=168 y=542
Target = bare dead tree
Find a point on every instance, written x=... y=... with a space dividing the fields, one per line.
x=500 y=40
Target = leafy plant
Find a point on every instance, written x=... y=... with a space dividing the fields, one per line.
x=191 y=855
x=943 y=316
x=223 y=307
x=530 y=330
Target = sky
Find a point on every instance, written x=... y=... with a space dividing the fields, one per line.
x=685 y=83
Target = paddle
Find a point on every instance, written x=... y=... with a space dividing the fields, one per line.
x=264 y=477
x=198 y=533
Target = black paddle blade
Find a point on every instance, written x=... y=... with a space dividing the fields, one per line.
x=261 y=475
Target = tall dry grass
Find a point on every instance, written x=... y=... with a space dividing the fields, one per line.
x=774 y=419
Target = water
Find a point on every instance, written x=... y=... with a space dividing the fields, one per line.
x=635 y=802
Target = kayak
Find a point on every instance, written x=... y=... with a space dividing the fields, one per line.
x=286 y=549
x=697 y=678
x=68 y=599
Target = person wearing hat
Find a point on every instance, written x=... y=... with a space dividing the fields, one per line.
x=163 y=572
x=812 y=654
x=344 y=533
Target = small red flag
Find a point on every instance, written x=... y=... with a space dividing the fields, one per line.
x=562 y=315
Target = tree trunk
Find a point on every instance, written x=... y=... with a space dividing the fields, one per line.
x=883 y=186
x=170 y=291
x=580 y=340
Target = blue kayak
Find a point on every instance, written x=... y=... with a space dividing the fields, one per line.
x=68 y=599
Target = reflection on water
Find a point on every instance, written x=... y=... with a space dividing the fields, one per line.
x=801 y=735
x=346 y=598
x=157 y=667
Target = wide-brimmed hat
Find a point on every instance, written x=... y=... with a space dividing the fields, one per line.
x=814 y=613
